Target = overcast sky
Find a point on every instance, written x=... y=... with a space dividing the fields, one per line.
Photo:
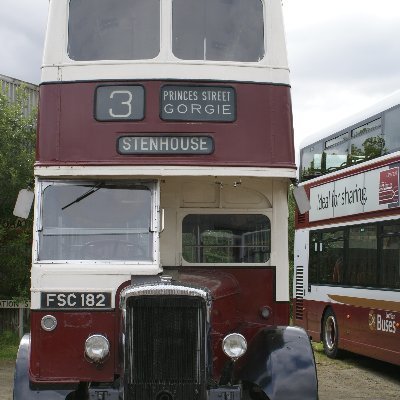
x=344 y=54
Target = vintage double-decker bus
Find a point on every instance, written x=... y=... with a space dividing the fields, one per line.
x=347 y=246
x=160 y=255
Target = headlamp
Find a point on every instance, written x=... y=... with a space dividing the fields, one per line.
x=234 y=345
x=97 y=348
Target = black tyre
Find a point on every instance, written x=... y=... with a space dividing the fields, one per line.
x=330 y=334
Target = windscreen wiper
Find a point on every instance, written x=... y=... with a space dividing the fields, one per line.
x=88 y=193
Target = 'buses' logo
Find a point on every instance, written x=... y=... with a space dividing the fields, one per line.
x=372 y=320
x=385 y=322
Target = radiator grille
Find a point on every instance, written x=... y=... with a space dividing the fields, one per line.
x=165 y=348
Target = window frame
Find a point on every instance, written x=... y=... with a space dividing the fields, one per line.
x=123 y=60
x=165 y=52
x=263 y=41
x=338 y=139
x=155 y=221
x=379 y=269
x=189 y=211
x=319 y=233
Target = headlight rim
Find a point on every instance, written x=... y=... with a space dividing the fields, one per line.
x=94 y=359
x=237 y=336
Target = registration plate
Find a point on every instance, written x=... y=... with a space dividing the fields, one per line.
x=76 y=300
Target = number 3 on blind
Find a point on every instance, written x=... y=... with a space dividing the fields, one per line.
x=124 y=94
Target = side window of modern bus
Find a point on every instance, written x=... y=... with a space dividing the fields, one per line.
x=367 y=142
x=326 y=264
x=390 y=259
x=332 y=257
x=226 y=238
x=218 y=30
x=335 y=153
x=109 y=30
x=313 y=258
x=362 y=256
x=311 y=161
x=392 y=130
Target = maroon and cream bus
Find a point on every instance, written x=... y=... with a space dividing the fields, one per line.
x=160 y=255
x=347 y=246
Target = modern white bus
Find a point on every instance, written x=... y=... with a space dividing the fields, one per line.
x=347 y=246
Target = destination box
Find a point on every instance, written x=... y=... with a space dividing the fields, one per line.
x=198 y=103
x=155 y=145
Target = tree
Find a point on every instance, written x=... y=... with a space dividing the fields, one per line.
x=17 y=154
x=374 y=147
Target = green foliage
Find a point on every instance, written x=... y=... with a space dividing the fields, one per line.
x=374 y=147
x=9 y=342
x=17 y=154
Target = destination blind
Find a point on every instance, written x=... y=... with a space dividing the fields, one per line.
x=165 y=145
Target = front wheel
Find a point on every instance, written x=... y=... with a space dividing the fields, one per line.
x=330 y=334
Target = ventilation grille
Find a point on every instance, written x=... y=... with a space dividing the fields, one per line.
x=165 y=347
x=301 y=218
x=299 y=292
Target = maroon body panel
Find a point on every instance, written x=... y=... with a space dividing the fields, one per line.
x=261 y=135
x=238 y=295
x=59 y=355
x=358 y=332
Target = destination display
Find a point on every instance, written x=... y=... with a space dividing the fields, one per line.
x=114 y=103
x=75 y=300
x=165 y=145
x=198 y=103
x=373 y=190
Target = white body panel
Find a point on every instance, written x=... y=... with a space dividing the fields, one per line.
x=57 y=66
x=324 y=293
x=163 y=171
x=179 y=196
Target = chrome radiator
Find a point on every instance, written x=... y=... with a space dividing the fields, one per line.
x=165 y=346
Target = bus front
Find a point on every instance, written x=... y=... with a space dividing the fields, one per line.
x=165 y=151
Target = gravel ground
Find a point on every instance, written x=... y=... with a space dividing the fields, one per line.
x=356 y=377
x=352 y=377
x=6 y=379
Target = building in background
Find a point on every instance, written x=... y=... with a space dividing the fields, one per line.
x=14 y=316
x=9 y=87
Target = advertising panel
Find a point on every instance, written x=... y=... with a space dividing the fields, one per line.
x=373 y=190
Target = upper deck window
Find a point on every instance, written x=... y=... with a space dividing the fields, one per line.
x=218 y=30
x=366 y=128
x=109 y=30
x=336 y=140
x=392 y=129
x=365 y=142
